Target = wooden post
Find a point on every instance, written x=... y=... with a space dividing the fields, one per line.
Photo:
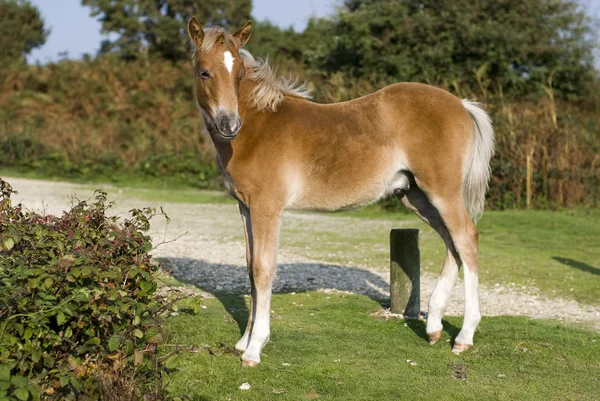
x=405 y=272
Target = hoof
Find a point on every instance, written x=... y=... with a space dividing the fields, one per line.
x=434 y=337
x=248 y=363
x=458 y=348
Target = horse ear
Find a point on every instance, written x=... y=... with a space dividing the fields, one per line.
x=244 y=33
x=195 y=31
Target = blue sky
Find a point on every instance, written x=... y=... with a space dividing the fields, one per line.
x=74 y=31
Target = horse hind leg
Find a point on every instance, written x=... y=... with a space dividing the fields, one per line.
x=416 y=200
x=464 y=237
x=466 y=240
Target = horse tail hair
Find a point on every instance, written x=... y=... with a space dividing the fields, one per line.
x=477 y=170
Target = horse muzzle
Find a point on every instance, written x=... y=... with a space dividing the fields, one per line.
x=228 y=125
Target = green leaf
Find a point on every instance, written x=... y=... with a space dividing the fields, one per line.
x=68 y=332
x=114 y=342
x=138 y=333
x=48 y=282
x=129 y=346
x=19 y=381
x=34 y=391
x=9 y=243
x=36 y=355
x=4 y=373
x=60 y=318
x=28 y=333
x=64 y=380
x=21 y=394
x=93 y=341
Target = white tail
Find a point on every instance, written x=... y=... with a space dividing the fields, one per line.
x=477 y=171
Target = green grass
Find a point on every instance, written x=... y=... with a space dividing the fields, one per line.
x=153 y=189
x=336 y=350
x=178 y=195
x=555 y=251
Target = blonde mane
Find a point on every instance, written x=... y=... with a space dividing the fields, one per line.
x=270 y=89
x=269 y=93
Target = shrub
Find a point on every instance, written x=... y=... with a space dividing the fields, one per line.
x=77 y=307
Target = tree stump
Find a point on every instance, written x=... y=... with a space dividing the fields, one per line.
x=405 y=272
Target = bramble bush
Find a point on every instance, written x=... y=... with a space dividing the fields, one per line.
x=79 y=318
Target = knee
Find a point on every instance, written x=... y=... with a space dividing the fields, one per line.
x=262 y=277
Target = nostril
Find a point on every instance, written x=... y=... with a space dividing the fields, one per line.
x=224 y=124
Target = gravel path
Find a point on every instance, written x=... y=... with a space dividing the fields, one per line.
x=210 y=253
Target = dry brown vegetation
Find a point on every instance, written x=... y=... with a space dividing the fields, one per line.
x=106 y=119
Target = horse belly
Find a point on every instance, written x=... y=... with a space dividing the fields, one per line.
x=339 y=190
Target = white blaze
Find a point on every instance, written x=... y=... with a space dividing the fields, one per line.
x=228 y=60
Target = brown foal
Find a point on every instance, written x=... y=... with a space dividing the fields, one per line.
x=278 y=150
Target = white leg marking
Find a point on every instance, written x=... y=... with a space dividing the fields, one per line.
x=260 y=327
x=472 y=314
x=441 y=296
x=242 y=343
x=228 y=60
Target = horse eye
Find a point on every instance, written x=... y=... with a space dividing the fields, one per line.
x=204 y=74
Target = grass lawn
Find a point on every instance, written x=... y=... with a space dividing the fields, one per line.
x=337 y=350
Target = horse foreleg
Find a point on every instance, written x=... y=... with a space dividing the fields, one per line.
x=264 y=243
x=242 y=343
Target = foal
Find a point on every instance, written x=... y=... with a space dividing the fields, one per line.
x=277 y=150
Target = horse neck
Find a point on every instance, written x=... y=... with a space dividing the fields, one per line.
x=245 y=109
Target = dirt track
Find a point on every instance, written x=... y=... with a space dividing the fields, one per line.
x=210 y=253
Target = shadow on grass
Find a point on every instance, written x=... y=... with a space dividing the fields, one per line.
x=578 y=265
x=228 y=283
x=419 y=328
